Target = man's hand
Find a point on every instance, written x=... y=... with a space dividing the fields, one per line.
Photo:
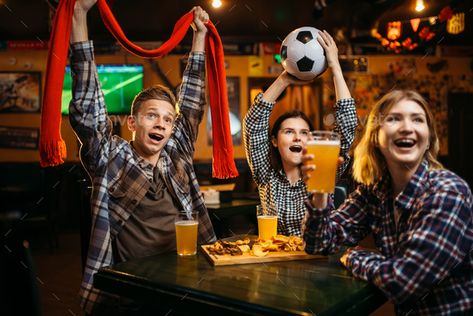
x=200 y=30
x=84 y=5
x=200 y=19
x=79 y=32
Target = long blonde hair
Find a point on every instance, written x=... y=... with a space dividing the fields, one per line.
x=369 y=164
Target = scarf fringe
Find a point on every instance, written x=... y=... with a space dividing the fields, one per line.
x=52 y=153
x=224 y=169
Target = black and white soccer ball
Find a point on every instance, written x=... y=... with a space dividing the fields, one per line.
x=301 y=54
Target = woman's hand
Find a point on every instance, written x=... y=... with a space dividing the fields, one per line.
x=346 y=254
x=330 y=48
x=291 y=80
x=317 y=200
x=344 y=257
x=307 y=167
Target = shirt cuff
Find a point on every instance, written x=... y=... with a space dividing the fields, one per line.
x=317 y=212
x=82 y=51
x=196 y=62
x=345 y=102
x=363 y=263
x=262 y=102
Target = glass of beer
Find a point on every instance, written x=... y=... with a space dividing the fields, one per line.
x=186 y=233
x=325 y=146
x=267 y=221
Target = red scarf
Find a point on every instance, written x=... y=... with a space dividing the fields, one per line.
x=52 y=147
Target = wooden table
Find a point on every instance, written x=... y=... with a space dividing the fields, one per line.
x=190 y=285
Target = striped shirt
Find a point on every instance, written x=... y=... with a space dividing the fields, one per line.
x=273 y=186
x=120 y=177
x=425 y=262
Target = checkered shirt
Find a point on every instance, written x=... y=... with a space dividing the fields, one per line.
x=424 y=264
x=273 y=185
x=120 y=177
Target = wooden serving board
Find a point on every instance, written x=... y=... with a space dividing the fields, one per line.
x=223 y=260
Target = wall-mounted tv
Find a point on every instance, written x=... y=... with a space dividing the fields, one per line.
x=120 y=84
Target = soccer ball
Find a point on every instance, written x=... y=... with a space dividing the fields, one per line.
x=301 y=54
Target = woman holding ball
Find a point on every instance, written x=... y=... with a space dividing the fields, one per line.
x=279 y=179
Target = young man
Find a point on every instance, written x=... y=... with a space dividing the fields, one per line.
x=140 y=186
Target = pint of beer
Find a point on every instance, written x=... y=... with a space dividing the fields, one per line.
x=186 y=233
x=325 y=146
x=267 y=222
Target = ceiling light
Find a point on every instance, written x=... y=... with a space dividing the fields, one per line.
x=420 y=5
x=216 y=4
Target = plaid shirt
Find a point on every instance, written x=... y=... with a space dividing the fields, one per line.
x=120 y=177
x=273 y=186
x=425 y=262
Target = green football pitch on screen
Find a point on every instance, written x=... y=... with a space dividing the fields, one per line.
x=120 y=84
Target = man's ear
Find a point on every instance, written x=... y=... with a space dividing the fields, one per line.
x=274 y=141
x=131 y=122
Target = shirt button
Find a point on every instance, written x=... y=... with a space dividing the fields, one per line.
x=134 y=202
x=112 y=189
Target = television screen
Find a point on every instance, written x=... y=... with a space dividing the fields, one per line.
x=120 y=84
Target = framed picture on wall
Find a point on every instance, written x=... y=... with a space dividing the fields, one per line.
x=233 y=90
x=20 y=92
x=19 y=137
x=306 y=98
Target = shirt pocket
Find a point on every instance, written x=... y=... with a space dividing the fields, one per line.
x=180 y=181
x=124 y=196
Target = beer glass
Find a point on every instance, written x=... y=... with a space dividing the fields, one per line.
x=186 y=233
x=267 y=222
x=325 y=146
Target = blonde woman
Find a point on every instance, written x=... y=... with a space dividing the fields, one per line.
x=420 y=214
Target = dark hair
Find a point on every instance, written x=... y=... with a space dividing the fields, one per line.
x=275 y=155
x=156 y=92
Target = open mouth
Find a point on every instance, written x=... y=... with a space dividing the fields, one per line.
x=295 y=148
x=405 y=143
x=156 y=137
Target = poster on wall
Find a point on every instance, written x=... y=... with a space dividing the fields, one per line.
x=233 y=90
x=19 y=137
x=20 y=92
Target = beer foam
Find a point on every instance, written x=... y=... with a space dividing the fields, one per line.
x=326 y=142
x=267 y=216
x=186 y=223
